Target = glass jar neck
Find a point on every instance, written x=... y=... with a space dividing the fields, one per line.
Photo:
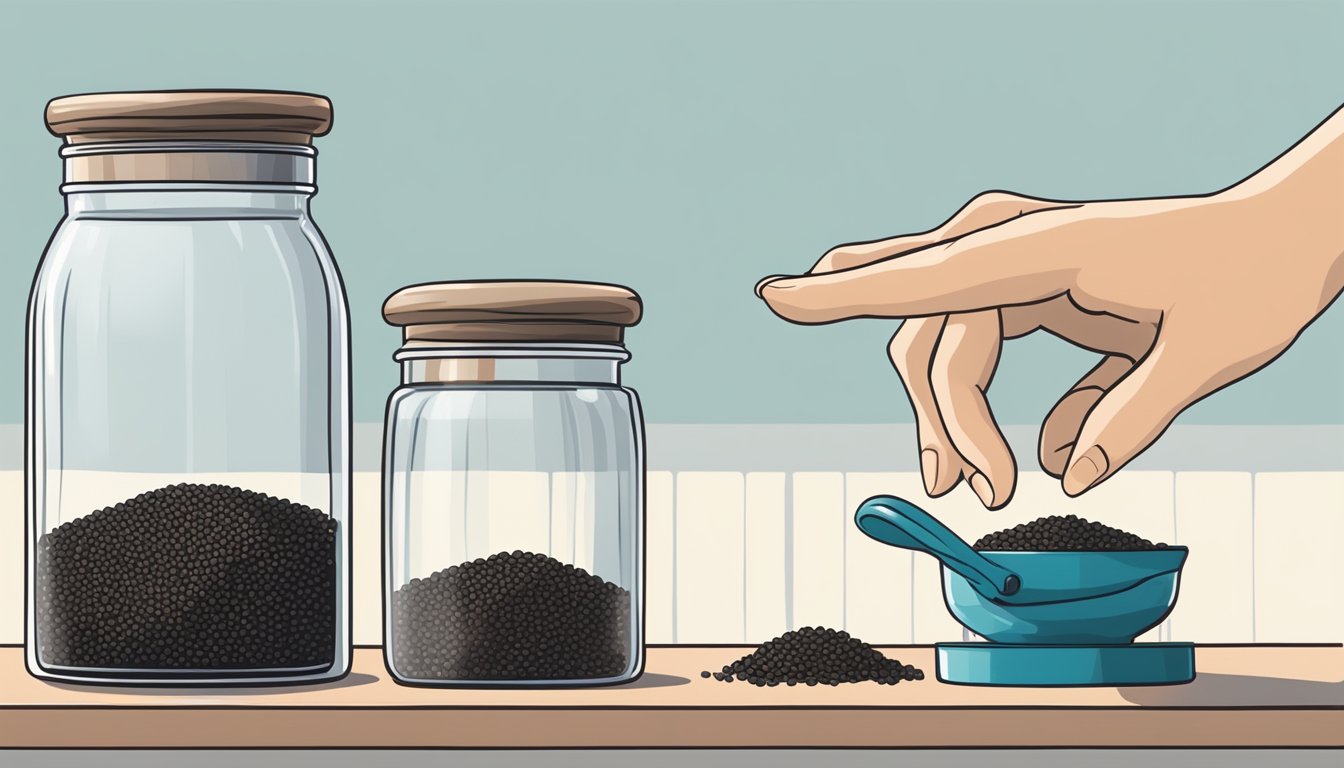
x=184 y=201
x=209 y=164
x=485 y=364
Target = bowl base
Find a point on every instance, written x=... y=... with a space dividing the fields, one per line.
x=1065 y=665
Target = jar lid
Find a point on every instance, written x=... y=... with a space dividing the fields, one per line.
x=261 y=116
x=513 y=310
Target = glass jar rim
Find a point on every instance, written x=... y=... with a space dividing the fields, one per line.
x=197 y=162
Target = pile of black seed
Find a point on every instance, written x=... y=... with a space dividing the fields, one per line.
x=511 y=616
x=816 y=655
x=200 y=577
x=1057 y=532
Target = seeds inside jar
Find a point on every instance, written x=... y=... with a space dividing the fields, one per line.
x=189 y=577
x=511 y=616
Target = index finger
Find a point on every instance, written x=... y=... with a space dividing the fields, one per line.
x=1027 y=260
x=987 y=209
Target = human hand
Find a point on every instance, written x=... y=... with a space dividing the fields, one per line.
x=1182 y=296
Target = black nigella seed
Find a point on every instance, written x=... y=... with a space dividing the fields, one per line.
x=189 y=577
x=816 y=655
x=511 y=616
x=1064 y=533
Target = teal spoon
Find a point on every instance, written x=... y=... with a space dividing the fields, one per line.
x=899 y=523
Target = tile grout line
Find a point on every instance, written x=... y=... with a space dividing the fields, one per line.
x=675 y=532
x=1253 y=574
x=746 y=507
x=788 y=551
x=1168 y=625
x=844 y=551
x=912 y=599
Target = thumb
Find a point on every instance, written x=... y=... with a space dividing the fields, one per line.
x=985 y=210
x=1132 y=415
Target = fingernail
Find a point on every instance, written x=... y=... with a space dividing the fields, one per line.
x=1087 y=470
x=928 y=462
x=980 y=484
x=760 y=285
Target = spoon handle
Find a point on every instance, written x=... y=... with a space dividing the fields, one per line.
x=899 y=523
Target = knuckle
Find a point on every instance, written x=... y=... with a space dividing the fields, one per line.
x=840 y=257
x=997 y=204
x=905 y=350
x=987 y=208
x=994 y=198
x=899 y=350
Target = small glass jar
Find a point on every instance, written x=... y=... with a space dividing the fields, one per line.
x=513 y=488
x=188 y=400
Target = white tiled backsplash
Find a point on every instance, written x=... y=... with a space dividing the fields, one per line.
x=741 y=554
x=743 y=566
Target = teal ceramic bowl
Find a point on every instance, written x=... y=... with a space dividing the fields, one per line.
x=1093 y=598
x=1036 y=598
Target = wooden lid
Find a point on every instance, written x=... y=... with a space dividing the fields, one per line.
x=266 y=116
x=513 y=310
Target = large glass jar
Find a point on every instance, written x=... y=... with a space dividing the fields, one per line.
x=188 y=400
x=513 y=488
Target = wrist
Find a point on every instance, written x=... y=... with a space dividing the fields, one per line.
x=1298 y=201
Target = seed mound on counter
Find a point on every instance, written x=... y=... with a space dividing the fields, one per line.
x=189 y=577
x=815 y=655
x=1063 y=533
x=511 y=616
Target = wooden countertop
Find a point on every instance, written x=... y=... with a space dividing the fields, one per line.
x=1261 y=696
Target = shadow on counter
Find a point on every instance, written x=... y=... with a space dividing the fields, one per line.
x=1218 y=690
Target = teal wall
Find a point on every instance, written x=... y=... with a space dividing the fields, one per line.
x=688 y=148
